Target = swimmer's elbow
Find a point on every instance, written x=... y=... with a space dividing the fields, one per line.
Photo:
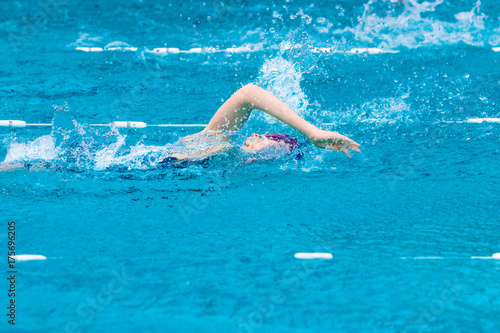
x=249 y=92
x=249 y=89
x=250 y=86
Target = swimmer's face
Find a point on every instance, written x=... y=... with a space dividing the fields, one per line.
x=259 y=142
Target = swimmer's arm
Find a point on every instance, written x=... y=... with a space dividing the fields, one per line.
x=233 y=114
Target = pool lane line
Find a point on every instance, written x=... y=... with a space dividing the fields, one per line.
x=117 y=124
x=140 y=124
x=299 y=255
x=242 y=49
x=468 y=121
x=319 y=255
x=496 y=256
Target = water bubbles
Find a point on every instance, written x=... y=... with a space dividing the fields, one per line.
x=409 y=24
x=42 y=148
x=282 y=74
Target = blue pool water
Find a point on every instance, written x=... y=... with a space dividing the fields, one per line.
x=132 y=247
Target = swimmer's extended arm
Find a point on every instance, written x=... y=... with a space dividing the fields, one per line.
x=233 y=114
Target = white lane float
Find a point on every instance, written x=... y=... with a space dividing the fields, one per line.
x=313 y=255
x=28 y=257
x=89 y=49
x=129 y=124
x=12 y=123
x=165 y=50
x=369 y=50
x=496 y=49
x=195 y=50
x=118 y=48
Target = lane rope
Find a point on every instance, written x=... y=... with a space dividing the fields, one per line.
x=116 y=124
x=317 y=255
x=140 y=124
x=300 y=255
x=495 y=256
x=241 y=49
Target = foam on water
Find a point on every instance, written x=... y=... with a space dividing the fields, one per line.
x=386 y=25
x=42 y=148
x=87 y=149
x=282 y=73
x=411 y=24
x=78 y=147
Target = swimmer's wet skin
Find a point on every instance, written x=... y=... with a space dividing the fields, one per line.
x=234 y=113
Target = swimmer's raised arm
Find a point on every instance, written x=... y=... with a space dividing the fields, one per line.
x=233 y=114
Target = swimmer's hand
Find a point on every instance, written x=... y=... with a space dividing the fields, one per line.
x=335 y=141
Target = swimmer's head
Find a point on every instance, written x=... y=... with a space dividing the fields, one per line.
x=275 y=141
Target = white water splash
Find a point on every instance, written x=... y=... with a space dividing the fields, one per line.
x=411 y=26
x=42 y=148
x=283 y=73
x=139 y=156
x=282 y=78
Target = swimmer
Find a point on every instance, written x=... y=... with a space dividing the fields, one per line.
x=233 y=114
x=228 y=119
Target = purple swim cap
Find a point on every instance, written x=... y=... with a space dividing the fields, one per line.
x=290 y=141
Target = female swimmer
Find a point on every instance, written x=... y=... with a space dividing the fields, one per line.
x=233 y=114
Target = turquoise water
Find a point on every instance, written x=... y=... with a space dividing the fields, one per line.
x=210 y=247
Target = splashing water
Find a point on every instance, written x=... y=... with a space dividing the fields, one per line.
x=69 y=143
x=408 y=23
x=42 y=148
x=283 y=73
